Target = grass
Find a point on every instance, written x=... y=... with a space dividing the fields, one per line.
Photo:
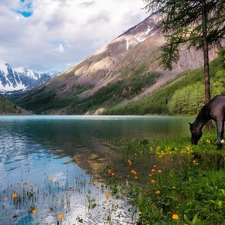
x=172 y=182
x=165 y=181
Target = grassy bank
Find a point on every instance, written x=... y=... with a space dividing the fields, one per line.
x=171 y=181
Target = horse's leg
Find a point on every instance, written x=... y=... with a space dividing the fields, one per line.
x=220 y=131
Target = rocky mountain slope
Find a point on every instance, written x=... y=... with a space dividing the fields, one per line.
x=20 y=79
x=131 y=56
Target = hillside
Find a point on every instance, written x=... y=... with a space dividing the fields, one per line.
x=183 y=95
x=8 y=108
x=123 y=71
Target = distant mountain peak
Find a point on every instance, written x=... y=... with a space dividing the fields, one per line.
x=21 y=78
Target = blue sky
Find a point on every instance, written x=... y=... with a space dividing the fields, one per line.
x=53 y=35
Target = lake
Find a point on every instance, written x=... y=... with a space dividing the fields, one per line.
x=49 y=162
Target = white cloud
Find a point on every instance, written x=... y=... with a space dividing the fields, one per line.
x=58 y=33
x=60 y=48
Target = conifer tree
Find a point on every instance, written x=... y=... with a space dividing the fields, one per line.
x=197 y=23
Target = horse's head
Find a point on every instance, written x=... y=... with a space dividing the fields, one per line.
x=196 y=134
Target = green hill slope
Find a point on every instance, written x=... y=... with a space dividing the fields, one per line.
x=8 y=108
x=183 y=95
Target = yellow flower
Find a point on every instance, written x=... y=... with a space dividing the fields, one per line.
x=153 y=170
x=112 y=174
x=152 y=181
x=139 y=213
x=175 y=217
x=60 y=216
x=158 y=192
x=31 y=185
x=88 y=182
x=136 y=177
x=95 y=182
x=107 y=195
x=51 y=178
x=195 y=162
x=14 y=195
x=34 y=211
x=159 y=171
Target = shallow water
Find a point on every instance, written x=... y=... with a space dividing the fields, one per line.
x=66 y=148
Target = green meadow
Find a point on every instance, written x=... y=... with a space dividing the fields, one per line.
x=172 y=181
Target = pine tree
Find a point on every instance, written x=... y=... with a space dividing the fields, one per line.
x=197 y=23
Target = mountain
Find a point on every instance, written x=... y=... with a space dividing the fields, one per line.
x=20 y=79
x=125 y=70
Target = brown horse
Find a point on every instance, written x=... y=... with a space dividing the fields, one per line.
x=215 y=110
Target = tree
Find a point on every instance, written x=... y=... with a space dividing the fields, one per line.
x=197 y=23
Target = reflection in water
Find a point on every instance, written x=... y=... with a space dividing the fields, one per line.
x=34 y=148
x=74 y=135
x=80 y=137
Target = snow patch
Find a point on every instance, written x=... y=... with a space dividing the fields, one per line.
x=127 y=43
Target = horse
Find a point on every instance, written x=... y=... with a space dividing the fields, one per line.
x=213 y=110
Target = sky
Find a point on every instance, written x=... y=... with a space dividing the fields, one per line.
x=54 y=35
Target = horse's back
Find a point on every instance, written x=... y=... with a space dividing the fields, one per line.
x=217 y=107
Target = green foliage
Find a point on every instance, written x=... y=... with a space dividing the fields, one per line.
x=171 y=185
x=188 y=22
x=184 y=95
x=7 y=107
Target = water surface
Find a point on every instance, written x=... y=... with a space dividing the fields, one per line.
x=35 y=148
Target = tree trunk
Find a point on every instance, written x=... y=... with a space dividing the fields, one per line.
x=206 y=58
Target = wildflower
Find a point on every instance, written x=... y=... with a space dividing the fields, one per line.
x=31 y=185
x=195 y=162
x=139 y=213
x=51 y=178
x=107 y=195
x=113 y=174
x=175 y=217
x=60 y=216
x=152 y=181
x=150 y=175
x=34 y=211
x=158 y=192
x=109 y=171
x=95 y=182
x=134 y=172
x=159 y=171
x=153 y=170
x=129 y=162
x=88 y=182
x=14 y=195
x=207 y=141
x=154 y=166
x=136 y=177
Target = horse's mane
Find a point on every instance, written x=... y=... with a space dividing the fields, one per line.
x=202 y=117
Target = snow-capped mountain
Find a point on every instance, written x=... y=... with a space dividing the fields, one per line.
x=21 y=78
